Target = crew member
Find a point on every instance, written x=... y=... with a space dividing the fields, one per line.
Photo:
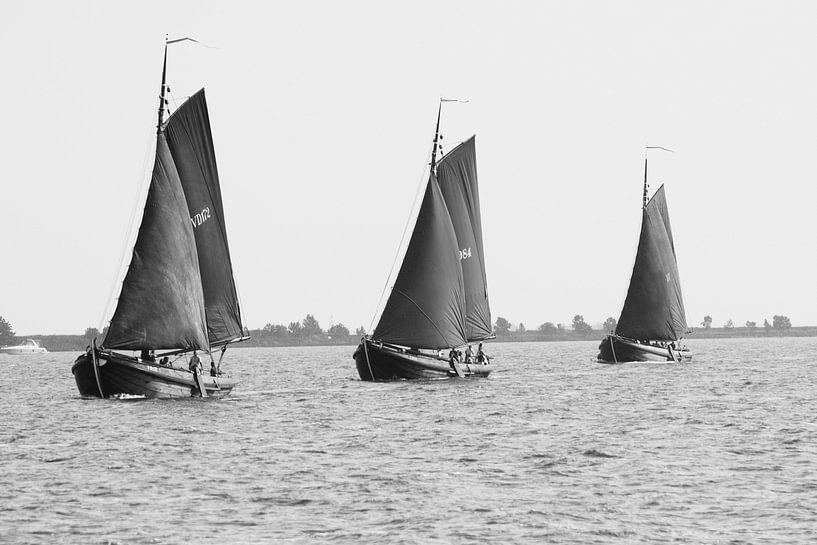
x=195 y=364
x=482 y=357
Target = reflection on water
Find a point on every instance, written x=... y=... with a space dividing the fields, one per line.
x=552 y=448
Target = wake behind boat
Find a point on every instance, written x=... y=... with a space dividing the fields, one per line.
x=653 y=319
x=178 y=296
x=29 y=347
x=439 y=301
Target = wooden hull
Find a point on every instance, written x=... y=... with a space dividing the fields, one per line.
x=378 y=362
x=614 y=349
x=120 y=374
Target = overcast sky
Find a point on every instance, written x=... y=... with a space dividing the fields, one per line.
x=323 y=115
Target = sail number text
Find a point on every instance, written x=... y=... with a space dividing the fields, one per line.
x=465 y=253
x=201 y=217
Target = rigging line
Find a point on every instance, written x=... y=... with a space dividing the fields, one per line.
x=177 y=104
x=138 y=209
x=411 y=214
x=659 y=147
x=129 y=239
x=400 y=248
x=432 y=322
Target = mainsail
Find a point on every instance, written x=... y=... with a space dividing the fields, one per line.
x=654 y=308
x=457 y=176
x=191 y=144
x=161 y=302
x=426 y=308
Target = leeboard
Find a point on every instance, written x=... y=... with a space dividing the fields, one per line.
x=95 y=365
x=200 y=384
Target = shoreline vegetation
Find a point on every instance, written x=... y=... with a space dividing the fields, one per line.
x=308 y=332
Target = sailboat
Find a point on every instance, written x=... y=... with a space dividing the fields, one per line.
x=178 y=295
x=653 y=318
x=439 y=300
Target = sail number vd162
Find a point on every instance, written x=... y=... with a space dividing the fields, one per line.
x=201 y=217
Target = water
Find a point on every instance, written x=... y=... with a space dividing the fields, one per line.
x=552 y=448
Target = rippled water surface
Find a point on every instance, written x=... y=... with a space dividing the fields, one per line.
x=552 y=448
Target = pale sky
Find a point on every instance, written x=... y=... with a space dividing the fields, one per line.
x=323 y=114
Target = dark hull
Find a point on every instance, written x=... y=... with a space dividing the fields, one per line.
x=377 y=362
x=120 y=374
x=615 y=349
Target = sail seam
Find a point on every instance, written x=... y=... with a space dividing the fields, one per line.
x=424 y=314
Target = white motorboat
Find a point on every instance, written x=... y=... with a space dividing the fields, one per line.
x=29 y=347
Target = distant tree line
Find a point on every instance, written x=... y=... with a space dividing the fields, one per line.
x=780 y=325
x=54 y=343
x=305 y=332
x=6 y=332
x=308 y=331
x=581 y=330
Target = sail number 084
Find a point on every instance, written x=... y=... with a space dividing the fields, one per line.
x=465 y=253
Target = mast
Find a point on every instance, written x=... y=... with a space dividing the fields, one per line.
x=436 y=138
x=648 y=148
x=654 y=307
x=162 y=92
x=644 y=198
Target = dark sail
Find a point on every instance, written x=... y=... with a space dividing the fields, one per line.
x=191 y=144
x=161 y=302
x=654 y=308
x=426 y=308
x=457 y=175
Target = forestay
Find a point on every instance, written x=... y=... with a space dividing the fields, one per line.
x=161 y=302
x=426 y=307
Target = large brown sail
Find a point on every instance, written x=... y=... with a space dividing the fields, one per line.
x=161 y=302
x=457 y=176
x=191 y=144
x=654 y=307
x=426 y=308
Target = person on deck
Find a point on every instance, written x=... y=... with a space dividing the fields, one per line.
x=195 y=364
x=469 y=355
x=165 y=361
x=482 y=357
x=213 y=370
x=453 y=356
